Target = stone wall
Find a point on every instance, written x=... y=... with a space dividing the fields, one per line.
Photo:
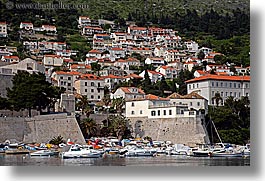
x=40 y=128
x=189 y=131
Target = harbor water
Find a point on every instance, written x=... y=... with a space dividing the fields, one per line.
x=161 y=160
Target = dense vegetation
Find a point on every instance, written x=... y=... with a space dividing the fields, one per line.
x=232 y=121
x=31 y=91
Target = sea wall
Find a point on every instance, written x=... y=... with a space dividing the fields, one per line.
x=40 y=128
x=189 y=130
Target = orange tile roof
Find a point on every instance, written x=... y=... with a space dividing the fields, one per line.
x=138 y=28
x=133 y=76
x=154 y=72
x=192 y=95
x=111 y=76
x=11 y=56
x=117 y=49
x=67 y=73
x=220 y=77
x=127 y=90
x=90 y=77
x=78 y=66
x=94 y=51
x=154 y=97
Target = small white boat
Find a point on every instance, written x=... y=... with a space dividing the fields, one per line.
x=79 y=152
x=44 y=153
x=135 y=151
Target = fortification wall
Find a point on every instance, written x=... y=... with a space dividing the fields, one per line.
x=40 y=128
x=189 y=131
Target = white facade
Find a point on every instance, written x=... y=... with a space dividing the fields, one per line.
x=155 y=61
x=3 y=29
x=192 y=46
x=128 y=93
x=156 y=109
x=26 y=26
x=91 y=86
x=65 y=79
x=153 y=75
x=51 y=61
x=208 y=86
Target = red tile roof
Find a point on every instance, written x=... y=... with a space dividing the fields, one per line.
x=67 y=73
x=220 y=77
x=127 y=90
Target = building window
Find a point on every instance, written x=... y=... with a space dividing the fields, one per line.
x=234 y=94
x=69 y=78
x=132 y=104
x=216 y=84
x=158 y=112
x=153 y=113
x=61 y=77
x=62 y=83
x=165 y=112
x=193 y=86
x=212 y=84
x=92 y=84
x=230 y=93
x=239 y=95
x=225 y=84
x=198 y=103
x=189 y=86
x=230 y=85
x=85 y=90
x=85 y=83
x=92 y=90
x=222 y=94
x=247 y=94
x=69 y=84
x=98 y=84
x=246 y=85
x=238 y=85
x=92 y=96
x=226 y=94
x=234 y=85
x=197 y=85
x=141 y=112
x=170 y=112
x=212 y=93
x=190 y=103
x=132 y=112
x=98 y=97
x=221 y=84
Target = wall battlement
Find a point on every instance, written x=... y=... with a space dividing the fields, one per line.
x=41 y=128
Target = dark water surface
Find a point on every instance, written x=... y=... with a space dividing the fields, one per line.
x=163 y=160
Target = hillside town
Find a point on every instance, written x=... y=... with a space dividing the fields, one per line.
x=122 y=70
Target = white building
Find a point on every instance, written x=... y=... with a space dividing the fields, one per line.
x=3 y=29
x=128 y=93
x=192 y=46
x=65 y=79
x=84 y=21
x=168 y=72
x=207 y=86
x=116 y=53
x=153 y=75
x=156 y=107
x=155 y=61
x=10 y=59
x=193 y=100
x=112 y=80
x=90 y=85
x=26 y=26
x=52 y=61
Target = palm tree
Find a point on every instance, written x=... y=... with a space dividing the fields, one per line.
x=217 y=97
x=88 y=110
x=89 y=127
x=82 y=103
x=118 y=104
x=118 y=125
x=106 y=100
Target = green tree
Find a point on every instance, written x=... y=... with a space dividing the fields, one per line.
x=118 y=126
x=31 y=91
x=88 y=127
x=118 y=103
